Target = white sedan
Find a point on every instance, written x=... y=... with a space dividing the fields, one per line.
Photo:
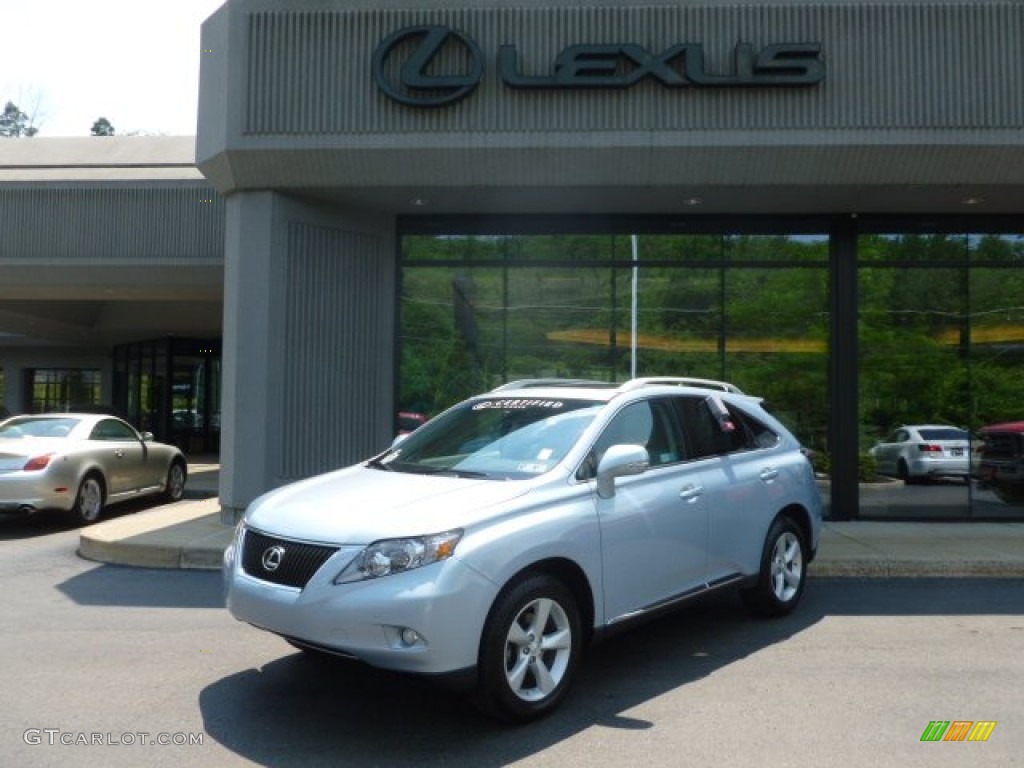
x=924 y=452
x=82 y=463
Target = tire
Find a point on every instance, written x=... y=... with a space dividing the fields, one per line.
x=89 y=499
x=1009 y=493
x=904 y=474
x=780 y=582
x=529 y=650
x=174 y=489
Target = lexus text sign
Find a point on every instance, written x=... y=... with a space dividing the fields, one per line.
x=435 y=65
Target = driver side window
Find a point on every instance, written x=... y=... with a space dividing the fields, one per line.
x=648 y=423
x=112 y=430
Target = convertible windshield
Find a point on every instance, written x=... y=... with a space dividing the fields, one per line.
x=499 y=438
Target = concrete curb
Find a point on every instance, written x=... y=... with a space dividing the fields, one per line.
x=191 y=535
x=183 y=535
x=916 y=569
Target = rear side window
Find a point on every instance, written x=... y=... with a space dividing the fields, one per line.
x=760 y=434
x=108 y=429
x=947 y=433
x=706 y=437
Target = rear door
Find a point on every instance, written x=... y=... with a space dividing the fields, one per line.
x=654 y=528
x=739 y=472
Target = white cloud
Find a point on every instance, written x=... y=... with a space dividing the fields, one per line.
x=135 y=62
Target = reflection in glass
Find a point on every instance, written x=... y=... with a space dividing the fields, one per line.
x=477 y=312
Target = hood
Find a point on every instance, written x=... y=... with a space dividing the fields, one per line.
x=1009 y=426
x=359 y=505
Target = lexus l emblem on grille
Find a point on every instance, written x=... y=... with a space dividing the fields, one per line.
x=272 y=557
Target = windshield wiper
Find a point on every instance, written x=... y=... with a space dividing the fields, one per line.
x=419 y=469
x=464 y=473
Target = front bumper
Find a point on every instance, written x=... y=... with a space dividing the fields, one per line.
x=445 y=604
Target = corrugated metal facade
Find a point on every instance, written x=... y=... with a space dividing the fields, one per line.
x=332 y=328
x=890 y=67
x=106 y=225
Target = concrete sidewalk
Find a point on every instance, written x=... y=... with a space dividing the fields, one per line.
x=189 y=534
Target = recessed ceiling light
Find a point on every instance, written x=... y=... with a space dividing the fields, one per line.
x=693 y=201
x=972 y=200
x=418 y=201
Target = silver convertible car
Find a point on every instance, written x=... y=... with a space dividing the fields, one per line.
x=81 y=463
x=499 y=539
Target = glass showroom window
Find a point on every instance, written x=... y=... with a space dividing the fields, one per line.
x=58 y=389
x=940 y=332
x=996 y=360
x=476 y=312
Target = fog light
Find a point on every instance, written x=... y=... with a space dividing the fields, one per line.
x=410 y=637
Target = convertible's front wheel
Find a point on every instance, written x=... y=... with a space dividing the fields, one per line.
x=174 y=488
x=529 y=650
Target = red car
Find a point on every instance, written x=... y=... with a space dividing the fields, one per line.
x=1001 y=467
x=409 y=421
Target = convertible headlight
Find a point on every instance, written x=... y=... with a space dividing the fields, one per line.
x=383 y=558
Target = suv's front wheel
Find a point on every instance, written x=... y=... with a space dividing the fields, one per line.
x=529 y=650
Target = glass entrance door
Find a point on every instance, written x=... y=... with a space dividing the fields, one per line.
x=195 y=403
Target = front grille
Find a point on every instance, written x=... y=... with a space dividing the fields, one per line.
x=1001 y=445
x=295 y=561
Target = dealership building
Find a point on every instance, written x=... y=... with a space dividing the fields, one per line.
x=388 y=205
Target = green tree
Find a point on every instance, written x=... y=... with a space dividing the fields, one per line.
x=102 y=127
x=14 y=122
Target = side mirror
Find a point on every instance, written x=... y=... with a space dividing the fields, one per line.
x=620 y=461
x=147 y=437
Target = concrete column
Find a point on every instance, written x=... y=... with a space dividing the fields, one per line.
x=251 y=277
x=309 y=310
x=13 y=386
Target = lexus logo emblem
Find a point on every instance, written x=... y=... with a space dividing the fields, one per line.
x=406 y=63
x=272 y=557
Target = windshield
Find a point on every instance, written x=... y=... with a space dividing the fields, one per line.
x=500 y=438
x=37 y=427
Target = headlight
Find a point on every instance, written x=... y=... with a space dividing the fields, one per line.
x=234 y=548
x=383 y=558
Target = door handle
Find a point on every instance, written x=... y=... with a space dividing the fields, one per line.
x=691 y=492
x=119 y=453
x=769 y=474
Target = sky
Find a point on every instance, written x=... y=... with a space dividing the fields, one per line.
x=135 y=62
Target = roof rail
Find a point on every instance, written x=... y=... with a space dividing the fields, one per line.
x=528 y=383
x=681 y=381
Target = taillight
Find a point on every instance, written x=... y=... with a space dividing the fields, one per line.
x=38 y=462
x=929 y=448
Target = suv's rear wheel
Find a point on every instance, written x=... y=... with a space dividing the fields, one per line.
x=529 y=650
x=780 y=583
